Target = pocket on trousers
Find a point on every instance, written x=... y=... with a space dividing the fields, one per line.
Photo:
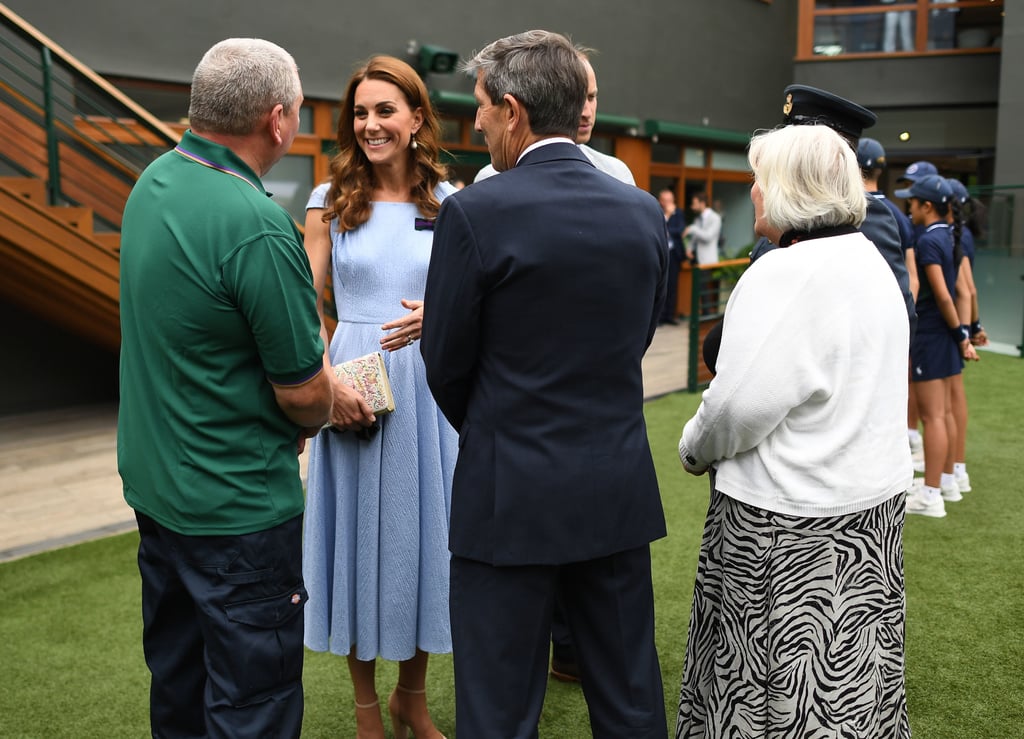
x=269 y=613
x=265 y=644
x=246 y=578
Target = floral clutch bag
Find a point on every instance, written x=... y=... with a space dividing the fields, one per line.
x=367 y=376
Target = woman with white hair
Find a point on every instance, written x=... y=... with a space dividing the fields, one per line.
x=798 y=608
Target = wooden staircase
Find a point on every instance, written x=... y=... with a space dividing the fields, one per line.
x=55 y=265
x=101 y=181
x=76 y=146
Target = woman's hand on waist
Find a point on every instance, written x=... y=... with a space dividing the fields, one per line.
x=404 y=330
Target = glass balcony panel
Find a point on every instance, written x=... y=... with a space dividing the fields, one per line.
x=836 y=35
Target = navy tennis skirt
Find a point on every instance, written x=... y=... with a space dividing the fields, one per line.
x=933 y=357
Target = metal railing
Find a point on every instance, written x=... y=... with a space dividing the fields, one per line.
x=57 y=108
x=998 y=276
x=999 y=264
x=709 y=292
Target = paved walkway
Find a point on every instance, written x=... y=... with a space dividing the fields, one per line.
x=58 y=469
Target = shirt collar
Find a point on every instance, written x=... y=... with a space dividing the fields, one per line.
x=216 y=156
x=544 y=142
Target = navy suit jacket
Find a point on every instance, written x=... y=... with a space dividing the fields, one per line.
x=543 y=293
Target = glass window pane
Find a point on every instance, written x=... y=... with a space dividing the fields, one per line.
x=950 y=25
x=975 y=28
x=732 y=161
x=828 y=4
x=291 y=181
x=306 y=119
x=942 y=26
x=660 y=183
x=664 y=153
x=692 y=188
x=602 y=144
x=166 y=102
x=848 y=34
x=696 y=157
x=731 y=200
x=451 y=130
x=898 y=29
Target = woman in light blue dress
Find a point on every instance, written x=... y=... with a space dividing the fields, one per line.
x=376 y=529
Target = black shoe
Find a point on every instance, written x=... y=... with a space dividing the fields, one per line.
x=566 y=671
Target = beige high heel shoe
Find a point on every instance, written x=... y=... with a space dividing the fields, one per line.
x=370 y=715
x=400 y=724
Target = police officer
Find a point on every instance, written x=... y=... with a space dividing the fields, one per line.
x=805 y=106
x=871 y=159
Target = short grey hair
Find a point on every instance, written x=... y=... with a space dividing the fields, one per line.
x=809 y=178
x=237 y=82
x=540 y=69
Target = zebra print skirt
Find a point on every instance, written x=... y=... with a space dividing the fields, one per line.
x=797 y=626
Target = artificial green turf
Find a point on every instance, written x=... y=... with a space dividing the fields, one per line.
x=71 y=659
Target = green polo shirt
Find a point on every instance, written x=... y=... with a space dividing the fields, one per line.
x=217 y=302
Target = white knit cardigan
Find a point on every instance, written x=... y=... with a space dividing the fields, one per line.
x=807 y=414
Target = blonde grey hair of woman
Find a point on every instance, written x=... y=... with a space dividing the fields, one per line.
x=237 y=82
x=540 y=69
x=809 y=179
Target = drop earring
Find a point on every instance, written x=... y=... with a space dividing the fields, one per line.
x=413 y=144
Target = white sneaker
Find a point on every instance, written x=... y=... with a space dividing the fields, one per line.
x=917 y=504
x=964 y=483
x=951 y=493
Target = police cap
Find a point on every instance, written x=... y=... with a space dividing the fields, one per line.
x=809 y=105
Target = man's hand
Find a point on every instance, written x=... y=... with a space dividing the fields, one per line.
x=306 y=432
x=349 y=411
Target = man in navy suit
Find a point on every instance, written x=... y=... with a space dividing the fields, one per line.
x=544 y=290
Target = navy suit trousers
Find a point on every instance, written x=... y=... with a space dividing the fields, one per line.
x=501 y=625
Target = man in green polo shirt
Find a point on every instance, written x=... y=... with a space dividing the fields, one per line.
x=222 y=380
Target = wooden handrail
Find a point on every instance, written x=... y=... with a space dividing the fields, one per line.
x=30 y=31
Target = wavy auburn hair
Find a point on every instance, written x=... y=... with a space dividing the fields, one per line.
x=351 y=174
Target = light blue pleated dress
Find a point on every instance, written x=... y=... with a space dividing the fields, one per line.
x=375 y=553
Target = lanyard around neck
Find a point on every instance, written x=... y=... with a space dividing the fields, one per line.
x=207 y=163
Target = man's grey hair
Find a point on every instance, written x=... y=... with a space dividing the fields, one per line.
x=809 y=178
x=237 y=82
x=540 y=69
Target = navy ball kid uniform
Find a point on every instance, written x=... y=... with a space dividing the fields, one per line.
x=934 y=354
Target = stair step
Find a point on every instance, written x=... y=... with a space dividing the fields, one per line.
x=76 y=217
x=29 y=188
x=109 y=239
